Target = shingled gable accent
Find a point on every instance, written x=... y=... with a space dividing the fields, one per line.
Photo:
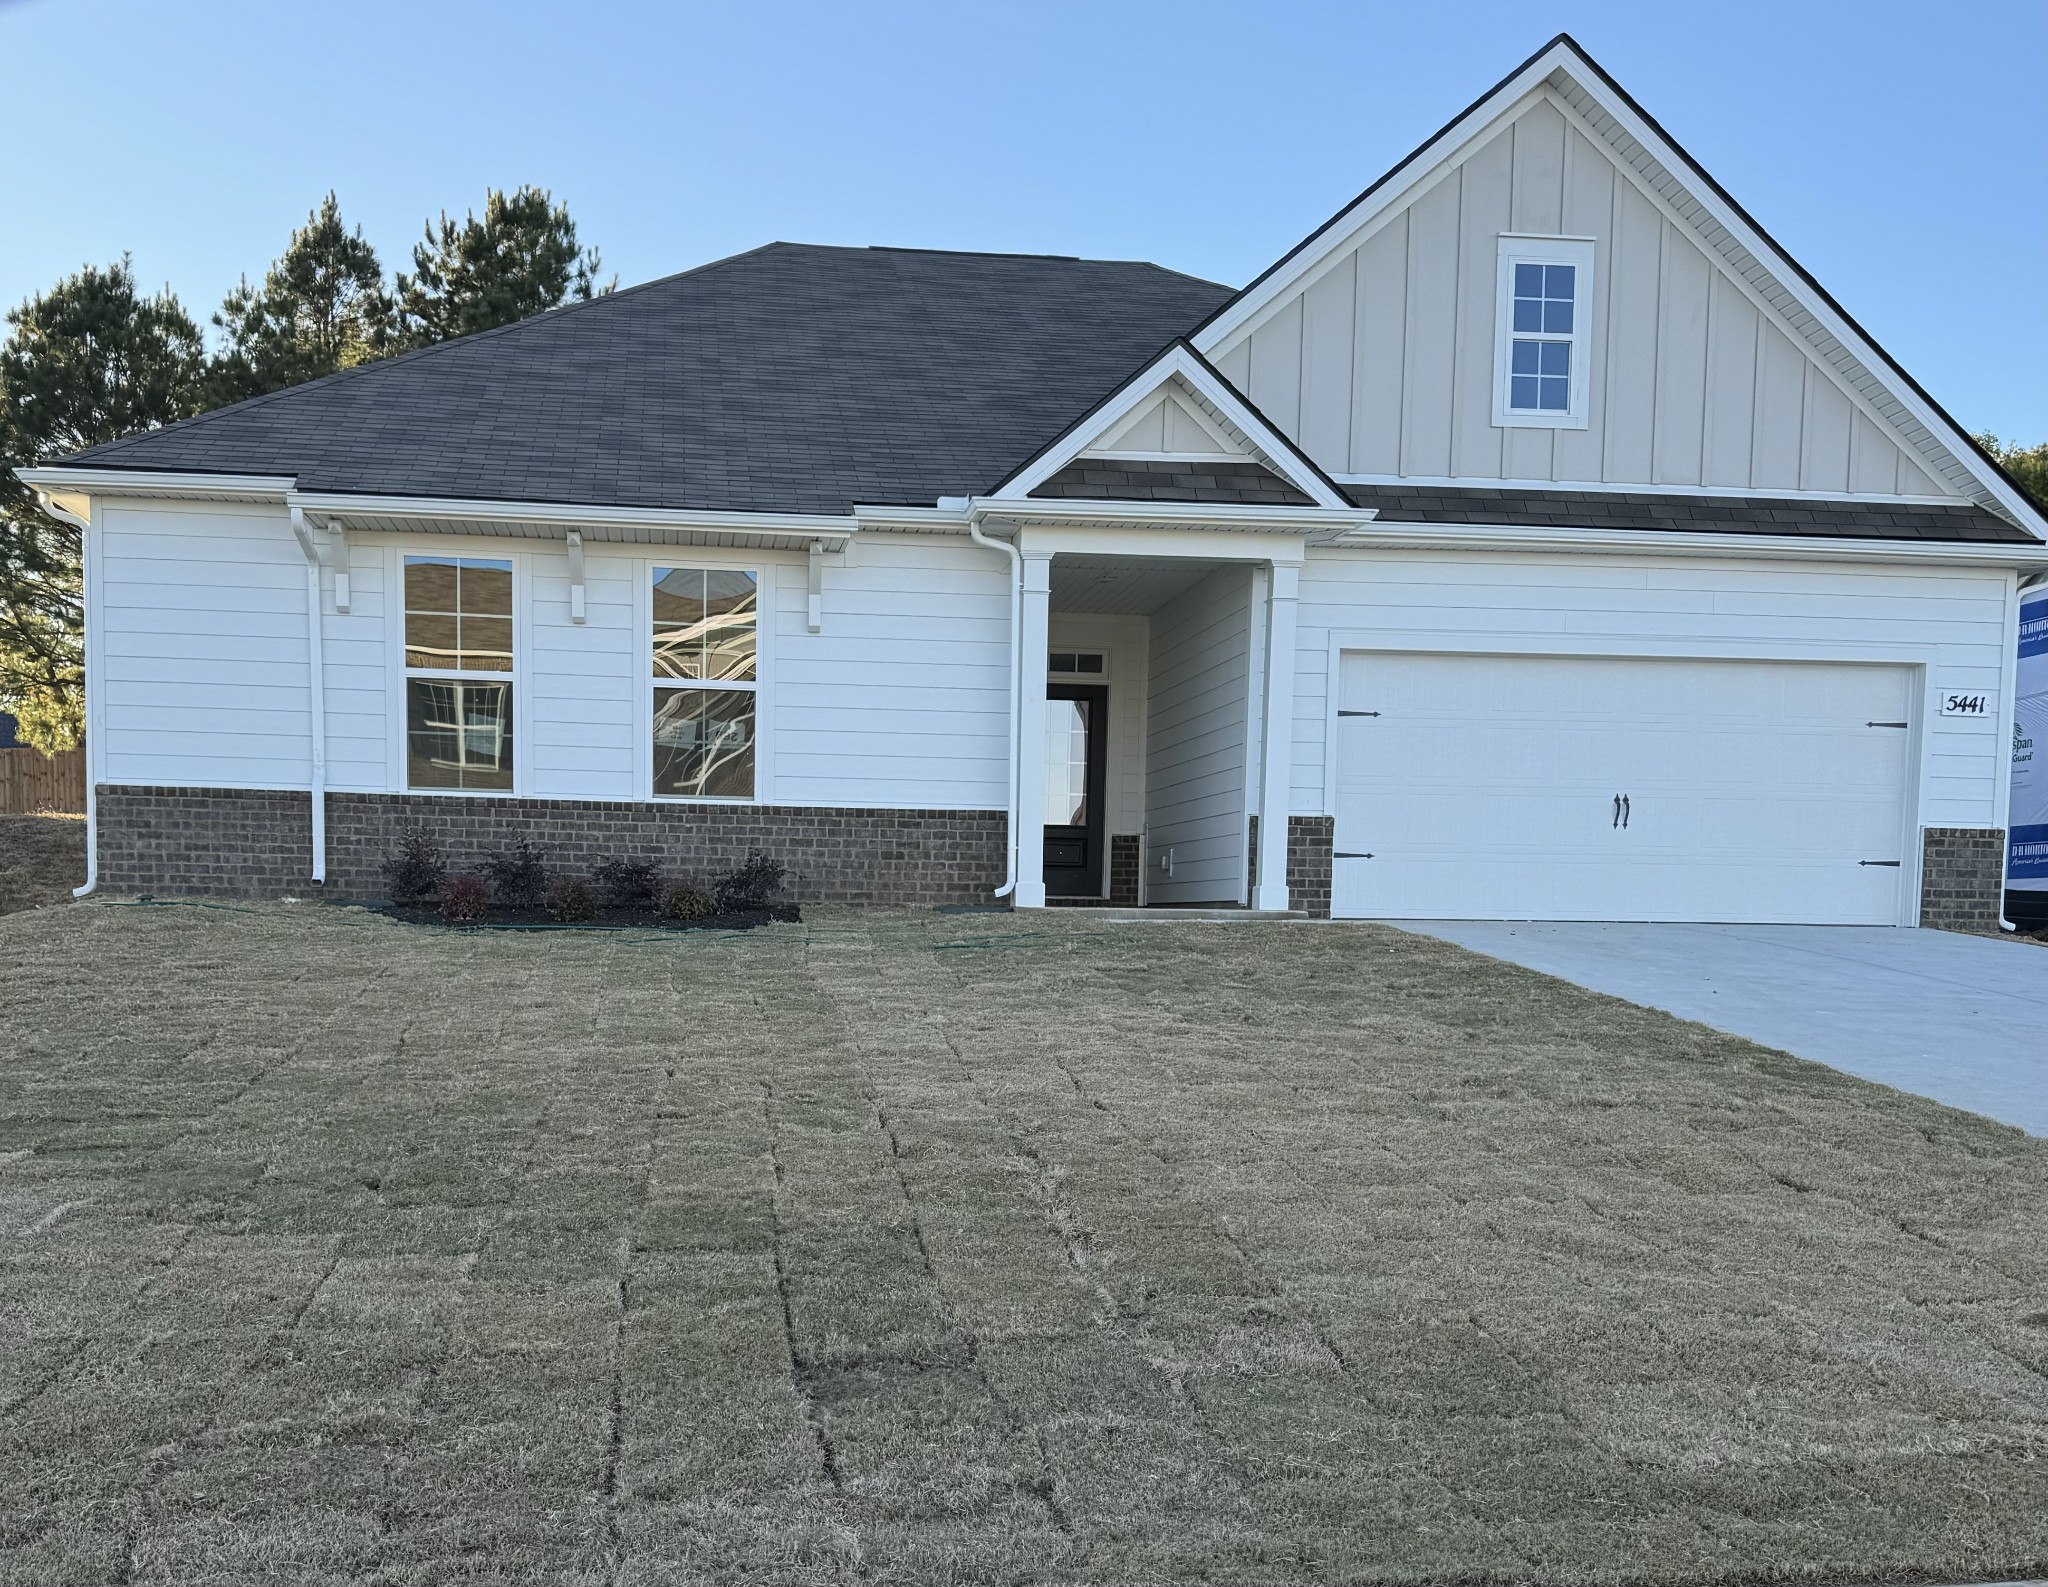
x=1102 y=448
x=1871 y=380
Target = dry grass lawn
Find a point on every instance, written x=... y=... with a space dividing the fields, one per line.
x=898 y=1248
x=41 y=859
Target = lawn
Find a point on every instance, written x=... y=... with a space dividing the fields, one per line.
x=916 y=1248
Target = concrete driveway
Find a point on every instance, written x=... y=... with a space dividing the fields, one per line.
x=1963 y=1020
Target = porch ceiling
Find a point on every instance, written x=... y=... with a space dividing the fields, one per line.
x=1123 y=586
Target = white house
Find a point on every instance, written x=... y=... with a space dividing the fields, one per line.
x=1534 y=540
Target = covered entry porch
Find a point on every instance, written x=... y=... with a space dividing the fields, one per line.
x=1155 y=701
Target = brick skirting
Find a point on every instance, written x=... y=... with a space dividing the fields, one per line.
x=1962 y=877
x=1311 y=842
x=1126 y=851
x=257 y=843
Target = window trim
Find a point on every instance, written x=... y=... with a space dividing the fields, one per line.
x=399 y=695
x=1518 y=248
x=688 y=556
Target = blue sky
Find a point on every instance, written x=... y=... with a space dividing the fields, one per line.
x=1898 y=151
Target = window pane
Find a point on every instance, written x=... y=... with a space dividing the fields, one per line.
x=1558 y=281
x=1528 y=281
x=485 y=588
x=486 y=644
x=1088 y=664
x=1557 y=360
x=429 y=639
x=1066 y=763
x=1556 y=395
x=729 y=607
x=1528 y=314
x=1557 y=319
x=458 y=735
x=678 y=597
x=1060 y=661
x=1522 y=391
x=430 y=584
x=704 y=743
x=1523 y=358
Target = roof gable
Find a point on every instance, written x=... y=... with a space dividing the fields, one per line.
x=1777 y=388
x=1177 y=396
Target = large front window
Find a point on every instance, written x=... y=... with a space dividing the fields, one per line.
x=705 y=681
x=458 y=624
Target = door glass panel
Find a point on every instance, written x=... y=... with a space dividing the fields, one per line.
x=1066 y=763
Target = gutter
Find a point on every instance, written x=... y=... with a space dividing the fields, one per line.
x=1661 y=542
x=981 y=538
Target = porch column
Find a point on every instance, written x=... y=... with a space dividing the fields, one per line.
x=1034 y=623
x=1276 y=765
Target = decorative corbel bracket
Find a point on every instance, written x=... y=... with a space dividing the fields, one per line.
x=574 y=543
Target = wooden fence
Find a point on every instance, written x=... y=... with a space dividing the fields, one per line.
x=32 y=781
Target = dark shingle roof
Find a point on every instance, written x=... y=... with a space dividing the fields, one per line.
x=789 y=379
x=1754 y=515
x=1132 y=479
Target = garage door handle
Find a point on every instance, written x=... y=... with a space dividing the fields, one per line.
x=1624 y=812
x=1617 y=812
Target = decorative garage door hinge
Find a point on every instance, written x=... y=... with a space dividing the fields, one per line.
x=1358 y=713
x=1894 y=864
x=1341 y=855
x=1887 y=724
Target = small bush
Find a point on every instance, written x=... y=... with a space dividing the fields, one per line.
x=415 y=873
x=518 y=878
x=571 y=898
x=465 y=900
x=686 y=901
x=750 y=888
x=628 y=884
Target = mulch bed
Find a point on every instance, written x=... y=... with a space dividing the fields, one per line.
x=603 y=920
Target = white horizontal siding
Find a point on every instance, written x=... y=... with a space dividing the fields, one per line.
x=201 y=647
x=1955 y=617
x=1200 y=682
x=583 y=681
x=902 y=699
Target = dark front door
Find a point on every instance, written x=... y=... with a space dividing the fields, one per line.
x=1076 y=722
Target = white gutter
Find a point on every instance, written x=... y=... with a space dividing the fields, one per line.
x=365 y=510
x=64 y=515
x=976 y=534
x=316 y=693
x=156 y=482
x=1663 y=542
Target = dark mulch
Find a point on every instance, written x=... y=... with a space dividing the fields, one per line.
x=603 y=920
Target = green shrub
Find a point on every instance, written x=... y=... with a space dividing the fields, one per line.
x=628 y=884
x=518 y=878
x=465 y=900
x=415 y=873
x=571 y=898
x=751 y=888
x=686 y=901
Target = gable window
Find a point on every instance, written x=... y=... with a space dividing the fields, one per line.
x=1540 y=373
x=458 y=634
x=704 y=682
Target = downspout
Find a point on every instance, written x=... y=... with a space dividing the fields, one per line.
x=316 y=693
x=2020 y=588
x=92 y=786
x=975 y=534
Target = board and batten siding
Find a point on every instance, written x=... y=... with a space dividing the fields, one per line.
x=1197 y=721
x=200 y=644
x=1382 y=363
x=1952 y=620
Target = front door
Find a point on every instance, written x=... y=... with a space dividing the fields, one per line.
x=1076 y=718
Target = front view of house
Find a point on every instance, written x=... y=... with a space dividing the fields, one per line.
x=1536 y=540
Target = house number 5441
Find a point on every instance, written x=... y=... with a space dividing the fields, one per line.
x=1966 y=705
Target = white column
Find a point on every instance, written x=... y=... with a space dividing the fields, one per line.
x=1276 y=770
x=1034 y=628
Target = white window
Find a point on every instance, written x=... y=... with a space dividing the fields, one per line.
x=458 y=634
x=705 y=681
x=1541 y=332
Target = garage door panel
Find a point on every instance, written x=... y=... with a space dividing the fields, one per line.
x=1483 y=786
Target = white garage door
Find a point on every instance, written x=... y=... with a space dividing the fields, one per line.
x=1577 y=788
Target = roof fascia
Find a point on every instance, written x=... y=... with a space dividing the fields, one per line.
x=1233 y=517
x=1180 y=360
x=1659 y=542
x=152 y=482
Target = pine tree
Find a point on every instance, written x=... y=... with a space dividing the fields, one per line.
x=322 y=307
x=90 y=361
x=2026 y=464
x=521 y=259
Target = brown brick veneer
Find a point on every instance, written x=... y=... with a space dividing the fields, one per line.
x=256 y=843
x=1311 y=841
x=1962 y=877
x=1126 y=856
